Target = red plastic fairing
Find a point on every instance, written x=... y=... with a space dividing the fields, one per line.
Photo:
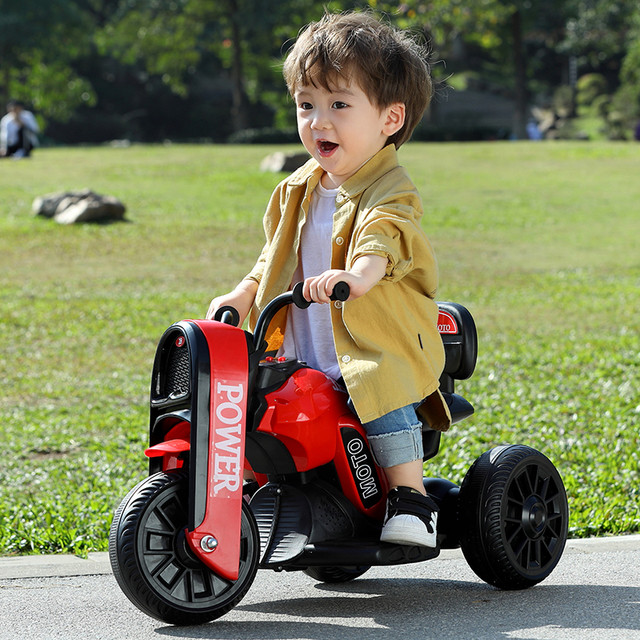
x=303 y=414
x=308 y=414
x=228 y=407
x=177 y=441
x=358 y=485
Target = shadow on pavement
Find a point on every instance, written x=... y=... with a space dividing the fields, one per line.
x=419 y=608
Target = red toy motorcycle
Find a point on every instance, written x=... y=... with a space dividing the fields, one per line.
x=186 y=542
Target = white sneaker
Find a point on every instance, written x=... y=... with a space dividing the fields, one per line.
x=411 y=519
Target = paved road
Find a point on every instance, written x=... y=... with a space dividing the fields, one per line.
x=594 y=593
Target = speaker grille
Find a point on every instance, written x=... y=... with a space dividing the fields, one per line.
x=178 y=373
x=172 y=372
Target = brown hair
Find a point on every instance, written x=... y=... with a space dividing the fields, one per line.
x=387 y=64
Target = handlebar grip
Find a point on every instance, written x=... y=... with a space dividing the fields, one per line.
x=341 y=291
x=298 y=299
x=227 y=315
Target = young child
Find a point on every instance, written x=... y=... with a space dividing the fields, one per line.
x=351 y=213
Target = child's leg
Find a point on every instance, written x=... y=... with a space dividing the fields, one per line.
x=396 y=440
x=408 y=474
x=396 y=444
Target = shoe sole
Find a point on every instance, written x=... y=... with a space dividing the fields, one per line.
x=404 y=536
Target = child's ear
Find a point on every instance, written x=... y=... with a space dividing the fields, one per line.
x=395 y=118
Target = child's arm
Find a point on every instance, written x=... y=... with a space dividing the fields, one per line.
x=241 y=298
x=366 y=272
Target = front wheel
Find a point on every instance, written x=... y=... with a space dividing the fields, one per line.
x=154 y=564
x=513 y=517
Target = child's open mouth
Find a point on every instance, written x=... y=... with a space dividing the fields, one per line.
x=326 y=148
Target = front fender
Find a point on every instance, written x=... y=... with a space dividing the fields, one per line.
x=216 y=460
x=200 y=381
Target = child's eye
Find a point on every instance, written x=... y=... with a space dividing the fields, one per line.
x=305 y=106
x=340 y=105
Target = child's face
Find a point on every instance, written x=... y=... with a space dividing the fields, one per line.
x=342 y=129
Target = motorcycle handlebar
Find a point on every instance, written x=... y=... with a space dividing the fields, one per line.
x=228 y=315
x=341 y=291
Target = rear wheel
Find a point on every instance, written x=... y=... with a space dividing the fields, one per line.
x=335 y=574
x=154 y=564
x=513 y=516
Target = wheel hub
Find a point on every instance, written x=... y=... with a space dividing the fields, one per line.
x=534 y=516
x=184 y=553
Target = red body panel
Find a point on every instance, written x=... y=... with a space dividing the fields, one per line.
x=303 y=414
x=306 y=414
x=354 y=487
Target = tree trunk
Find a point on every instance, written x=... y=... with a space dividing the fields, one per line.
x=239 y=106
x=520 y=115
x=5 y=86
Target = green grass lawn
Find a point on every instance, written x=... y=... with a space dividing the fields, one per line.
x=538 y=240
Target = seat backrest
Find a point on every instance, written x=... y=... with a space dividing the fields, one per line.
x=458 y=331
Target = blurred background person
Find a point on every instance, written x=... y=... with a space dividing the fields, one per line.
x=18 y=129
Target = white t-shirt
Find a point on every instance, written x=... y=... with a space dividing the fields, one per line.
x=309 y=336
x=9 y=128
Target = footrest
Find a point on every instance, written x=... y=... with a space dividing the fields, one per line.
x=362 y=552
x=283 y=516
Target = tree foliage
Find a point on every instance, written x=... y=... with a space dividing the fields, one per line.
x=159 y=36
x=124 y=67
x=37 y=42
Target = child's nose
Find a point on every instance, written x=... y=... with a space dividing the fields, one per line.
x=320 y=120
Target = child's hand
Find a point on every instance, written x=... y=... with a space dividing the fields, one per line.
x=241 y=299
x=365 y=274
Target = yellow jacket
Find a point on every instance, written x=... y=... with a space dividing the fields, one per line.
x=387 y=343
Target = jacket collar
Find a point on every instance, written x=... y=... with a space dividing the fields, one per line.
x=384 y=161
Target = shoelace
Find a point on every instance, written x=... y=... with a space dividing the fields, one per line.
x=403 y=500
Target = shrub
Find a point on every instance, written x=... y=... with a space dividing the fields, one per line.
x=589 y=87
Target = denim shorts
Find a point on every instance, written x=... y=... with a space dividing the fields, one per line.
x=396 y=437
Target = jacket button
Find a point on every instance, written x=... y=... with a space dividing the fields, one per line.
x=339 y=240
x=337 y=304
x=346 y=359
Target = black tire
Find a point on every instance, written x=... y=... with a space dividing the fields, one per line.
x=335 y=574
x=513 y=517
x=153 y=564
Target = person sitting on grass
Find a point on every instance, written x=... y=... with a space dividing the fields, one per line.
x=352 y=214
x=18 y=129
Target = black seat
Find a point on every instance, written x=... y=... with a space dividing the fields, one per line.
x=458 y=331
x=459 y=336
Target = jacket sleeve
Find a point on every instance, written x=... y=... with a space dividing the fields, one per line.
x=270 y=224
x=388 y=225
